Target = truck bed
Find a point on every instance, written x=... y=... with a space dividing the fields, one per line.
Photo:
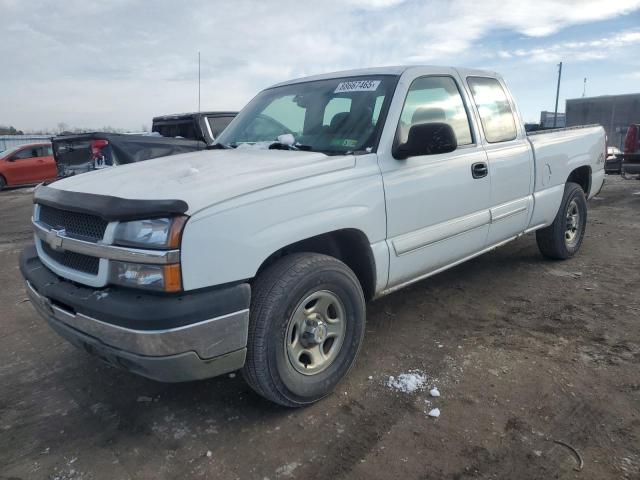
x=557 y=153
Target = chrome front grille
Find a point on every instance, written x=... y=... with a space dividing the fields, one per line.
x=80 y=247
x=73 y=260
x=78 y=225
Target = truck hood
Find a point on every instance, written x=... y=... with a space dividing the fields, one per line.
x=205 y=178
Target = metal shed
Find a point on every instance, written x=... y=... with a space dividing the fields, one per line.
x=10 y=141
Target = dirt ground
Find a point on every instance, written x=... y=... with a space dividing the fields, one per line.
x=524 y=351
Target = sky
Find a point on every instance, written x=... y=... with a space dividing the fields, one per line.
x=118 y=63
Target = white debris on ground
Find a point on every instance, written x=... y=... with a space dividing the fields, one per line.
x=287 y=470
x=232 y=375
x=144 y=399
x=171 y=428
x=209 y=453
x=563 y=273
x=434 y=392
x=434 y=412
x=101 y=295
x=409 y=382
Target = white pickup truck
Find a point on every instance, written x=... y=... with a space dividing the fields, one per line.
x=323 y=193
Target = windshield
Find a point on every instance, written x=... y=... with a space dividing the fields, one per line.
x=335 y=116
x=9 y=151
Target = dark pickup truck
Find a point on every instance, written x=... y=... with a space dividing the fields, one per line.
x=171 y=135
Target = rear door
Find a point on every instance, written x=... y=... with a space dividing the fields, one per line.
x=510 y=158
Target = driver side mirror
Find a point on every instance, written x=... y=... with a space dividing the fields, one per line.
x=13 y=159
x=427 y=139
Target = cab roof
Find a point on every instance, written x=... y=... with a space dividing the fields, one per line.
x=391 y=70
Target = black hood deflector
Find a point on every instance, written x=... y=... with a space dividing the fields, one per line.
x=108 y=207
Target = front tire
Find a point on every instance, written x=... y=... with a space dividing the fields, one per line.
x=563 y=238
x=3 y=182
x=306 y=325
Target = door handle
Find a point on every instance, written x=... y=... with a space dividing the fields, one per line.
x=479 y=170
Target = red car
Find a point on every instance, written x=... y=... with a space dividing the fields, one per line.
x=27 y=164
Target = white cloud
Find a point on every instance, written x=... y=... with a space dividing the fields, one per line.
x=374 y=4
x=92 y=63
x=597 y=49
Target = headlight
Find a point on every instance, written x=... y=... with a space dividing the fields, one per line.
x=155 y=233
x=164 y=278
x=158 y=233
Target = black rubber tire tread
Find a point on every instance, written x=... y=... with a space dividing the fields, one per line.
x=271 y=287
x=3 y=182
x=551 y=241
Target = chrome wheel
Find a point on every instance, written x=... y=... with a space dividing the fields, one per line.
x=572 y=231
x=315 y=332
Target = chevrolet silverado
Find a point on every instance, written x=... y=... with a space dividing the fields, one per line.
x=323 y=193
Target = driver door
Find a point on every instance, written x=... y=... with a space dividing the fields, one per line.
x=437 y=207
x=22 y=166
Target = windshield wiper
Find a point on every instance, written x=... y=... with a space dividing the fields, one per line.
x=287 y=146
x=217 y=146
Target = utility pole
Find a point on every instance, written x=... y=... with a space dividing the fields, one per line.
x=555 y=115
x=584 y=88
x=198 y=81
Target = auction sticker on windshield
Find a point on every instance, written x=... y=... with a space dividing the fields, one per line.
x=357 y=86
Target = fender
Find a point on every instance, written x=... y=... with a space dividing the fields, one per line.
x=239 y=237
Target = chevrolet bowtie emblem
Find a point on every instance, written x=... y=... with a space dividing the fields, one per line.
x=54 y=238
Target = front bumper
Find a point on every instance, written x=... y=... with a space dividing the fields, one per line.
x=189 y=338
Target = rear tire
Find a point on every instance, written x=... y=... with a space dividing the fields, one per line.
x=563 y=238
x=3 y=182
x=306 y=325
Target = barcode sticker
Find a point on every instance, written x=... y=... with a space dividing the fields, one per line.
x=357 y=86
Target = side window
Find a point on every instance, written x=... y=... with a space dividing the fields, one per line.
x=48 y=151
x=26 y=153
x=494 y=109
x=435 y=99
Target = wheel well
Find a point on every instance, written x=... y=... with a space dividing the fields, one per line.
x=349 y=246
x=581 y=176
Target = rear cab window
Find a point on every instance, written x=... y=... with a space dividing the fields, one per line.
x=218 y=124
x=177 y=129
x=494 y=109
